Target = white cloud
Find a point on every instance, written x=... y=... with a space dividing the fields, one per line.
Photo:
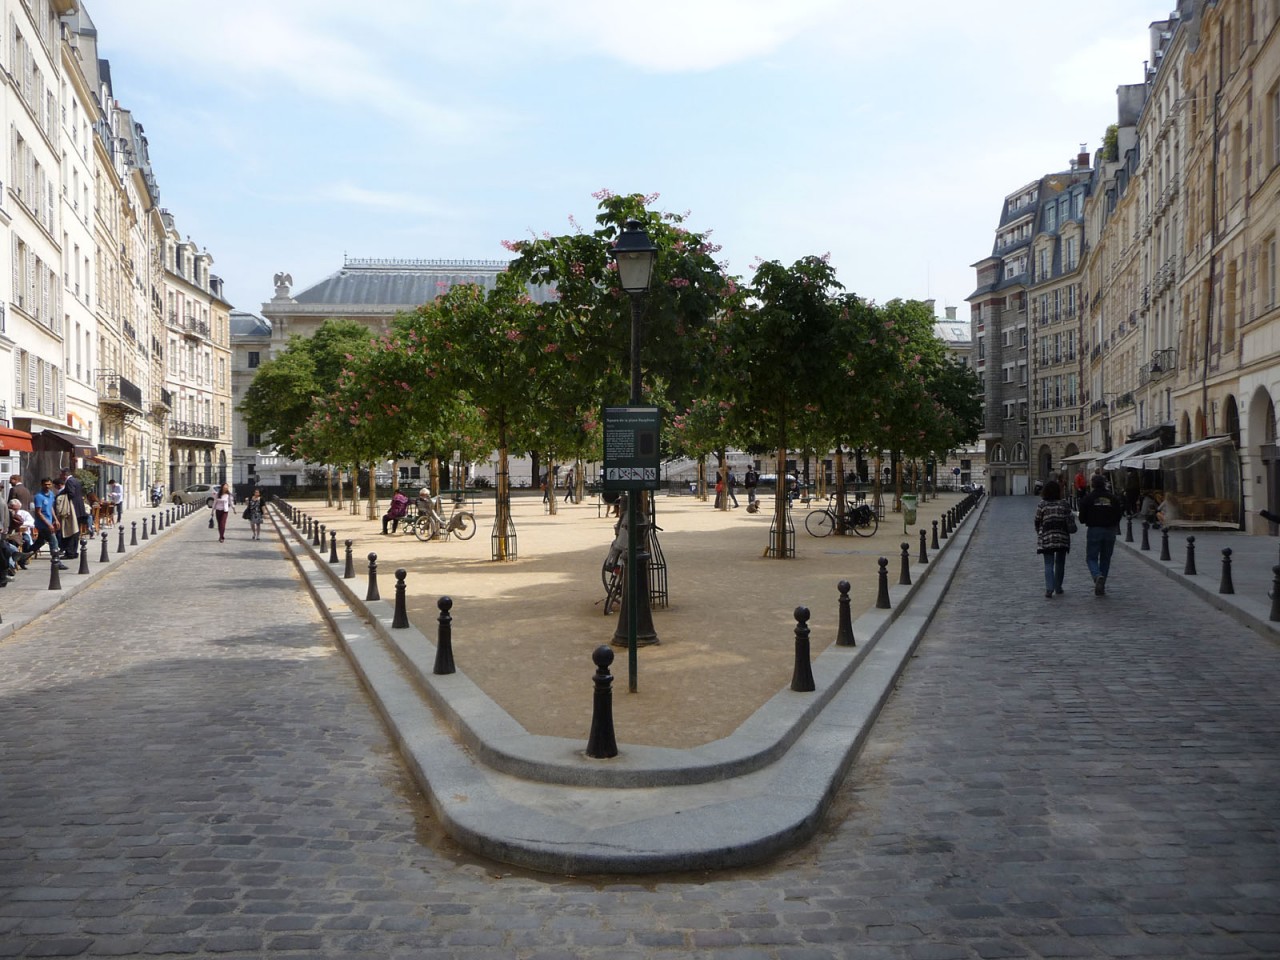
x=351 y=194
x=668 y=35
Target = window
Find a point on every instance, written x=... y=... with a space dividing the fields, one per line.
x=253 y=359
x=1269 y=273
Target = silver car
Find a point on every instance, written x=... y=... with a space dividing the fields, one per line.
x=197 y=493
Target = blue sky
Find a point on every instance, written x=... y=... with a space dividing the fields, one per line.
x=285 y=134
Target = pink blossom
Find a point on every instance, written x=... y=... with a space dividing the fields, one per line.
x=551 y=348
x=511 y=245
x=603 y=194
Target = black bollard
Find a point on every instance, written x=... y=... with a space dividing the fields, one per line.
x=1128 y=529
x=934 y=544
x=120 y=548
x=372 y=593
x=84 y=558
x=945 y=532
x=924 y=554
x=144 y=527
x=55 y=582
x=444 y=638
x=802 y=674
x=904 y=572
x=317 y=539
x=1190 y=569
x=333 y=546
x=133 y=533
x=1275 y=595
x=400 y=619
x=1225 y=585
x=105 y=556
x=844 y=633
x=601 y=743
x=153 y=525
x=1146 y=538
x=349 y=572
x=882 y=595
x=1164 y=545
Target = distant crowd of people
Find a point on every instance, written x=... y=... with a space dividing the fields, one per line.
x=60 y=516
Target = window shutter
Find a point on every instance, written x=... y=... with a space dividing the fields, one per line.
x=19 y=367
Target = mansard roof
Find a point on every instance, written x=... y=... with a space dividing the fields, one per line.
x=245 y=324
x=402 y=284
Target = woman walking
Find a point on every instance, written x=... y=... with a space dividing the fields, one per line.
x=1054 y=526
x=221 y=509
x=253 y=513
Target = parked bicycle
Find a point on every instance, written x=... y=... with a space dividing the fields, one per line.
x=430 y=523
x=613 y=572
x=859 y=517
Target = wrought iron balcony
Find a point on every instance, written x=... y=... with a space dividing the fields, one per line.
x=193 y=431
x=115 y=390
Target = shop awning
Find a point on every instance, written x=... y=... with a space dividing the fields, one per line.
x=1153 y=461
x=1084 y=457
x=1118 y=457
x=79 y=446
x=15 y=441
x=104 y=459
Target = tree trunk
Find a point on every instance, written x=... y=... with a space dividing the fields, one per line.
x=552 y=487
x=328 y=486
x=700 y=485
x=502 y=506
x=722 y=480
x=780 y=506
x=842 y=497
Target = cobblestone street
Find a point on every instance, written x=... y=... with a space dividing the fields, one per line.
x=188 y=767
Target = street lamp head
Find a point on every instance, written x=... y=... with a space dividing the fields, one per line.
x=635 y=255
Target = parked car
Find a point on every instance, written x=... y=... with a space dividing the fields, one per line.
x=197 y=493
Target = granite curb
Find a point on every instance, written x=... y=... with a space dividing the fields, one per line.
x=540 y=803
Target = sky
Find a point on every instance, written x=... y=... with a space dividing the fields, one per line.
x=289 y=134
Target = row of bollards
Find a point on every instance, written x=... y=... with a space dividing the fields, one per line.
x=1226 y=584
x=166 y=517
x=602 y=742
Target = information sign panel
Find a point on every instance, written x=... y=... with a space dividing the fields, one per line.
x=631 y=460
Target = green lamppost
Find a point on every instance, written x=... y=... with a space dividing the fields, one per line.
x=635 y=254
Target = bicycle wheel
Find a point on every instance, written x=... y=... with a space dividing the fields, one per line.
x=426 y=528
x=463 y=525
x=613 y=591
x=820 y=523
x=866 y=525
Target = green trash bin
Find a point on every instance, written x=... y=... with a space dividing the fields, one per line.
x=909 y=503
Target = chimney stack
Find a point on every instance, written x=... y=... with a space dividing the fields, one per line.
x=1082 y=158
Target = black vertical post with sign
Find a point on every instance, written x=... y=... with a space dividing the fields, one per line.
x=632 y=464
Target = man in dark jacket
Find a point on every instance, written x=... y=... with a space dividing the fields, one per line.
x=74 y=490
x=1100 y=511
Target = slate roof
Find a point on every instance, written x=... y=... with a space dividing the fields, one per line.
x=400 y=283
x=244 y=324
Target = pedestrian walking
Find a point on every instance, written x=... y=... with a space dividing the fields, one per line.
x=1100 y=511
x=751 y=480
x=731 y=487
x=46 y=521
x=253 y=513
x=569 y=490
x=115 y=496
x=222 y=509
x=73 y=490
x=1054 y=526
x=1082 y=487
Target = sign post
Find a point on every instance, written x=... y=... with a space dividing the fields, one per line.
x=632 y=463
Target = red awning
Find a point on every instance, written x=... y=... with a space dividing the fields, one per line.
x=15 y=441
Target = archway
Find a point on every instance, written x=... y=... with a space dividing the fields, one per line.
x=1200 y=424
x=191 y=469
x=222 y=466
x=1231 y=419
x=1184 y=428
x=1044 y=457
x=1262 y=445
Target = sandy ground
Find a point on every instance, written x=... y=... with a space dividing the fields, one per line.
x=524 y=630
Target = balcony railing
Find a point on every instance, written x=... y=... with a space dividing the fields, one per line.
x=193 y=431
x=115 y=390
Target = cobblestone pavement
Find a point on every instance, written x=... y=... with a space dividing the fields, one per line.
x=188 y=768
